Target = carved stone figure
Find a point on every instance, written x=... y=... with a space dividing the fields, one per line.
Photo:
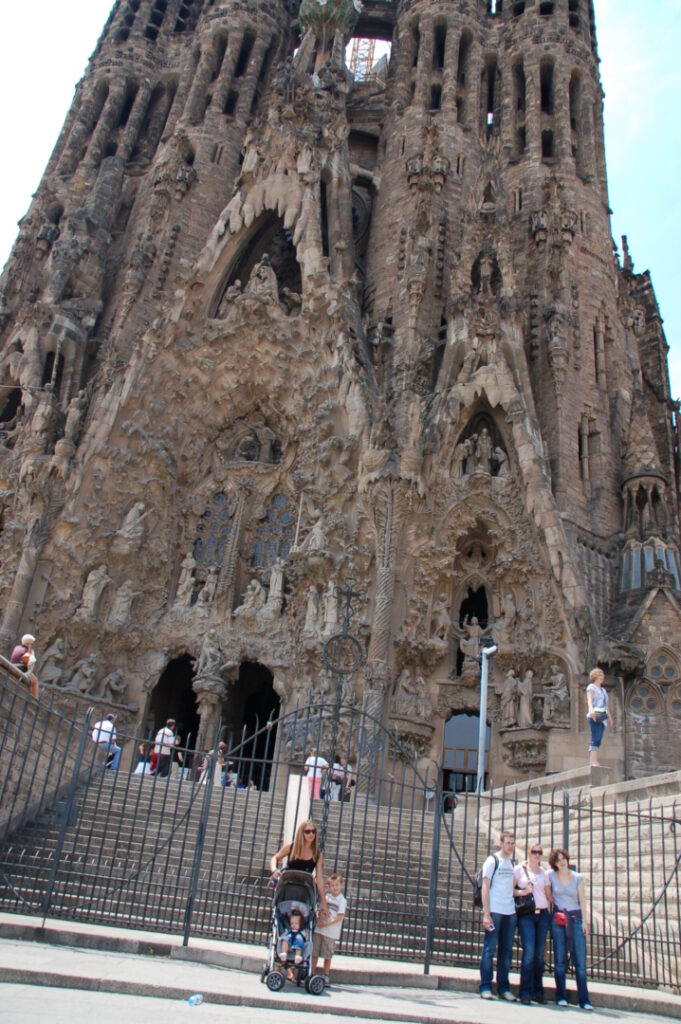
x=525 y=692
x=96 y=583
x=483 y=451
x=74 y=416
x=412 y=699
x=556 y=699
x=275 y=598
x=131 y=531
x=111 y=688
x=441 y=621
x=208 y=589
x=52 y=664
x=311 y=627
x=315 y=542
x=330 y=609
x=121 y=606
x=185 y=586
x=209 y=661
x=84 y=674
x=508 y=695
x=263 y=281
x=254 y=599
x=471 y=644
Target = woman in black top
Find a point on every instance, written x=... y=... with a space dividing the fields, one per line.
x=304 y=855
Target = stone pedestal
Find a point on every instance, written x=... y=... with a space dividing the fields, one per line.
x=210 y=692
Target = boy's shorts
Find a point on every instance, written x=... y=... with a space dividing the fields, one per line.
x=323 y=946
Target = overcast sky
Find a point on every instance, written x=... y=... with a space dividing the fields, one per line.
x=45 y=45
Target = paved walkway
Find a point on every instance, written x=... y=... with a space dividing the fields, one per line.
x=118 y=971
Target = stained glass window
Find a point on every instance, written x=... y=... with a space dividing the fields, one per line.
x=213 y=530
x=274 y=534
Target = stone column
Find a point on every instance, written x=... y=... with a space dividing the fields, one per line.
x=106 y=125
x=210 y=693
x=204 y=70
x=90 y=110
x=250 y=80
x=135 y=121
x=424 y=67
x=224 y=81
x=16 y=601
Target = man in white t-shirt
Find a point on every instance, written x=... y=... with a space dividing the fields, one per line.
x=104 y=735
x=315 y=766
x=164 y=744
x=328 y=932
x=498 y=918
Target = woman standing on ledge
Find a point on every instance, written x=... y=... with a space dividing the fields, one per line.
x=597 y=714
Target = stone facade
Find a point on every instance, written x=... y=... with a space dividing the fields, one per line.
x=267 y=327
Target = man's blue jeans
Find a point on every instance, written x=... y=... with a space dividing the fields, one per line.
x=112 y=749
x=533 y=929
x=578 y=951
x=503 y=934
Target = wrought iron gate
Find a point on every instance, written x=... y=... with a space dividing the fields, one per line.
x=188 y=855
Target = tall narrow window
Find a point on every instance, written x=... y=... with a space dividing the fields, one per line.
x=461 y=76
x=546 y=81
x=489 y=95
x=244 y=54
x=415 y=44
x=439 y=47
x=576 y=118
x=519 y=101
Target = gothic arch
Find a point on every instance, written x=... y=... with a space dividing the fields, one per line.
x=269 y=237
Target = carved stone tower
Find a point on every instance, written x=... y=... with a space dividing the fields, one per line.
x=269 y=325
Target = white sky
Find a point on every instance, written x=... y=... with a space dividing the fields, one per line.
x=45 y=45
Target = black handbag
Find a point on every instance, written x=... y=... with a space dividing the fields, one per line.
x=525 y=904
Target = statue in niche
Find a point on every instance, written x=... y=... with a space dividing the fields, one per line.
x=111 y=688
x=52 y=666
x=501 y=459
x=45 y=418
x=524 y=688
x=509 y=610
x=471 y=362
x=253 y=601
x=209 y=663
x=141 y=261
x=82 y=680
x=275 y=598
x=121 y=608
x=131 y=531
x=311 y=627
x=96 y=583
x=441 y=620
x=315 y=542
x=462 y=456
x=263 y=281
x=486 y=271
x=471 y=644
x=508 y=698
x=330 y=601
x=75 y=415
x=556 y=699
x=207 y=592
x=185 y=586
x=483 y=451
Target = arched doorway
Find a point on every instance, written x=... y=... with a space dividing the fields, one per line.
x=460 y=752
x=173 y=697
x=252 y=702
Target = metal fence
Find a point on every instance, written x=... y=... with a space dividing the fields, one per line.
x=185 y=854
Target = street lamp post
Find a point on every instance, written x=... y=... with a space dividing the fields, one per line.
x=486 y=654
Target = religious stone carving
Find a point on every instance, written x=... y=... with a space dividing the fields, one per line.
x=96 y=583
x=186 y=582
x=411 y=697
x=121 y=606
x=75 y=415
x=441 y=621
x=275 y=597
x=471 y=644
x=330 y=601
x=111 y=688
x=507 y=691
x=525 y=690
x=209 y=663
x=84 y=674
x=556 y=710
x=131 y=531
x=253 y=600
x=311 y=627
x=52 y=664
x=207 y=592
x=315 y=542
x=526 y=751
x=263 y=282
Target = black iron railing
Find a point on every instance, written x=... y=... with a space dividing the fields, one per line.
x=188 y=855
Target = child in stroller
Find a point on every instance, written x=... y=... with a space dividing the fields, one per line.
x=293 y=922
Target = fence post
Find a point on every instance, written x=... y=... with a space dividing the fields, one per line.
x=566 y=819
x=47 y=898
x=200 y=838
x=434 y=866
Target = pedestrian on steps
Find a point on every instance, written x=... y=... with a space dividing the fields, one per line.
x=23 y=656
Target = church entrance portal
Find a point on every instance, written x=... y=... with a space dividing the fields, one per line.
x=173 y=697
x=250 y=704
x=460 y=752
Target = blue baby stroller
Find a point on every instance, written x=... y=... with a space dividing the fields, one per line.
x=294 y=891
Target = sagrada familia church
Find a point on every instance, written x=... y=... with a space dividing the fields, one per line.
x=275 y=321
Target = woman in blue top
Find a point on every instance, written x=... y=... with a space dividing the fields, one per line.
x=598 y=713
x=569 y=930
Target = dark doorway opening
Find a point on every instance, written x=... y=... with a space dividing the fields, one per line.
x=460 y=754
x=173 y=697
x=252 y=702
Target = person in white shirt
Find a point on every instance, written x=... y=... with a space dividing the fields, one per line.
x=104 y=735
x=498 y=918
x=315 y=766
x=326 y=935
x=164 y=744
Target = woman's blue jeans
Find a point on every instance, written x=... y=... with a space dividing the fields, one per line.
x=504 y=933
x=578 y=951
x=533 y=929
x=597 y=730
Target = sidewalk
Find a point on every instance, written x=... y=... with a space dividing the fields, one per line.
x=97 y=959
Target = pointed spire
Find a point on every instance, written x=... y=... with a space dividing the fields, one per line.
x=641 y=458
